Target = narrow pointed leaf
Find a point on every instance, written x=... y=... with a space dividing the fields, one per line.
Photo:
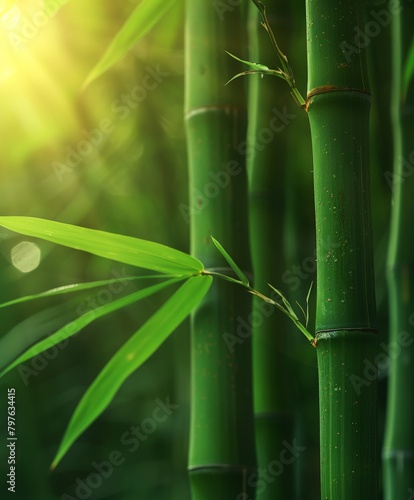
x=141 y=20
x=271 y=72
x=285 y=302
x=409 y=67
x=126 y=249
x=231 y=263
x=255 y=66
x=31 y=330
x=291 y=314
x=287 y=70
x=307 y=304
x=282 y=57
x=77 y=287
x=79 y=323
x=303 y=312
x=131 y=356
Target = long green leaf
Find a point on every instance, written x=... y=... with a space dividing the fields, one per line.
x=32 y=329
x=79 y=323
x=133 y=251
x=256 y=66
x=271 y=72
x=131 y=356
x=142 y=19
x=409 y=67
x=231 y=262
x=75 y=287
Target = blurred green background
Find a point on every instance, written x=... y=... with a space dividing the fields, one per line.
x=129 y=175
x=131 y=181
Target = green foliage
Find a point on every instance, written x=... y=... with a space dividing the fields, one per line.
x=125 y=249
x=231 y=263
x=78 y=324
x=75 y=287
x=147 y=339
x=285 y=306
x=131 y=356
x=285 y=73
x=142 y=19
x=409 y=68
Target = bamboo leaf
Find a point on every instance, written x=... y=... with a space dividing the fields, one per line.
x=32 y=329
x=285 y=302
x=282 y=57
x=258 y=69
x=288 y=310
x=79 y=323
x=255 y=66
x=141 y=20
x=231 y=262
x=307 y=304
x=303 y=312
x=131 y=356
x=287 y=70
x=126 y=249
x=77 y=287
x=409 y=67
x=272 y=72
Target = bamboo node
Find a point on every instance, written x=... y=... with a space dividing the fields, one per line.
x=324 y=89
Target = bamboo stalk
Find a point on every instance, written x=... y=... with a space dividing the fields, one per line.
x=398 y=449
x=266 y=165
x=338 y=106
x=222 y=456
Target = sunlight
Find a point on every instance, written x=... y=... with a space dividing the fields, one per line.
x=26 y=256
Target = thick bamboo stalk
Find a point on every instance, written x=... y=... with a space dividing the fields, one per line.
x=338 y=106
x=267 y=160
x=398 y=450
x=222 y=455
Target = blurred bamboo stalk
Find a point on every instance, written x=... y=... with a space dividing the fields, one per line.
x=398 y=449
x=267 y=157
x=222 y=454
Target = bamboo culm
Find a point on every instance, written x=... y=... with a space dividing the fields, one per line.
x=338 y=105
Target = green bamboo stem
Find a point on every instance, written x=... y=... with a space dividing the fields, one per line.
x=267 y=156
x=338 y=106
x=222 y=455
x=398 y=449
